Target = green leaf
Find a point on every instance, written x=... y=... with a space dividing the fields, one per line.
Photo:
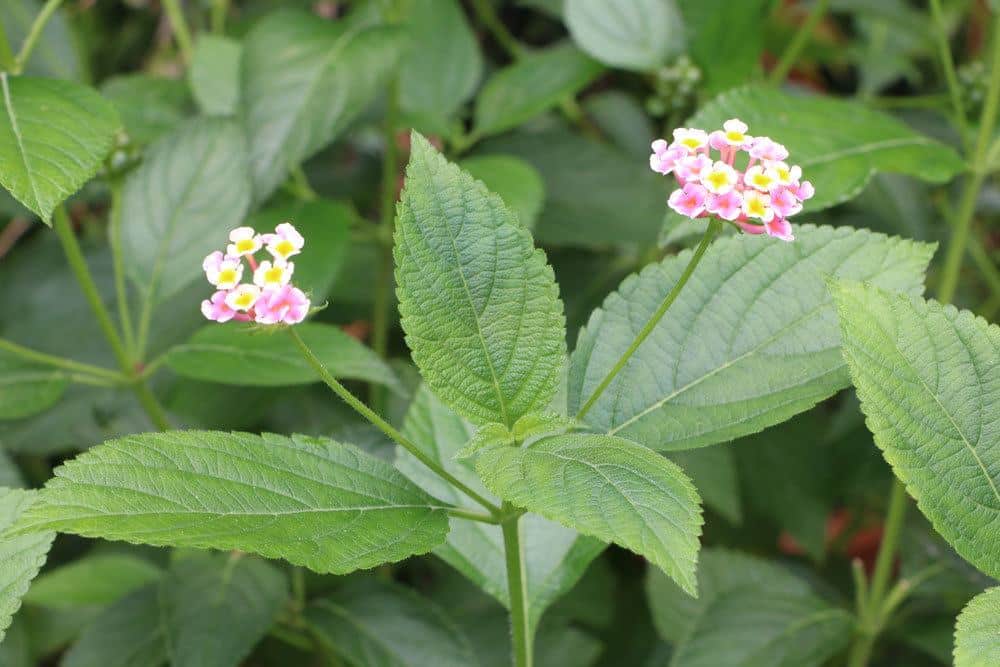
x=840 y=159
x=179 y=205
x=53 y=137
x=725 y=62
x=56 y=55
x=639 y=35
x=304 y=80
x=613 y=489
x=517 y=182
x=927 y=378
x=96 y=580
x=10 y=474
x=21 y=556
x=977 y=631
x=314 y=502
x=713 y=472
x=382 y=624
x=534 y=84
x=27 y=389
x=705 y=375
x=129 y=633
x=215 y=74
x=238 y=355
x=555 y=556
x=149 y=106
x=479 y=304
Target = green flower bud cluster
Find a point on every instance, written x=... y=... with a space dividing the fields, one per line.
x=674 y=88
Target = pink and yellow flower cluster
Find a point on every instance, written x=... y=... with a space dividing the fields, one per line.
x=270 y=298
x=758 y=197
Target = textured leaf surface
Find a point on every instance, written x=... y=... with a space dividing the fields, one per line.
x=751 y=340
x=479 y=305
x=842 y=158
x=725 y=62
x=191 y=189
x=21 y=556
x=149 y=106
x=977 y=632
x=635 y=34
x=313 y=502
x=555 y=556
x=53 y=137
x=232 y=354
x=304 y=81
x=381 y=624
x=215 y=74
x=517 y=182
x=928 y=377
x=611 y=488
x=129 y=633
x=92 y=581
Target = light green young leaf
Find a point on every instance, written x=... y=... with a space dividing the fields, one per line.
x=639 y=35
x=555 y=556
x=26 y=389
x=53 y=137
x=215 y=74
x=179 y=205
x=234 y=354
x=21 y=556
x=96 y=580
x=535 y=84
x=129 y=633
x=928 y=377
x=842 y=158
x=611 y=488
x=149 y=106
x=314 y=502
x=479 y=305
x=304 y=80
x=977 y=632
x=517 y=182
x=382 y=624
x=528 y=427
x=750 y=341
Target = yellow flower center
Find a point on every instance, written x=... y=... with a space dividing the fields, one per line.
x=761 y=180
x=284 y=247
x=691 y=142
x=273 y=275
x=227 y=276
x=245 y=299
x=244 y=245
x=735 y=137
x=784 y=174
x=718 y=179
x=756 y=207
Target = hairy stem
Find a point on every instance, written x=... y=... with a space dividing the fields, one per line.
x=517 y=588
x=799 y=41
x=182 y=34
x=713 y=228
x=948 y=67
x=63 y=363
x=34 y=33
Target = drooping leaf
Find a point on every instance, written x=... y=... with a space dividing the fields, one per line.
x=517 y=182
x=27 y=389
x=977 y=632
x=21 y=556
x=611 y=488
x=725 y=62
x=536 y=83
x=129 y=633
x=149 y=106
x=479 y=304
x=179 y=205
x=304 y=81
x=634 y=34
x=841 y=158
x=750 y=341
x=314 y=502
x=215 y=74
x=53 y=137
x=234 y=354
x=928 y=377
x=96 y=580
x=381 y=624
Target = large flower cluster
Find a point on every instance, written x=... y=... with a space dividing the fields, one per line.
x=758 y=197
x=270 y=298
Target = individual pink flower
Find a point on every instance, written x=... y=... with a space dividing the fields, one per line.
x=689 y=168
x=757 y=205
x=244 y=241
x=805 y=191
x=779 y=228
x=689 y=200
x=718 y=178
x=764 y=148
x=223 y=271
x=784 y=202
x=693 y=140
x=665 y=157
x=285 y=304
x=274 y=274
x=734 y=133
x=243 y=298
x=216 y=308
x=728 y=206
x=284 y=242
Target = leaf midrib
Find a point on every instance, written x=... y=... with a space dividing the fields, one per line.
x=22 y=151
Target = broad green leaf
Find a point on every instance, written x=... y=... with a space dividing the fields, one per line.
x=235 y=354
x=750 y=341
x=129 y=633
x=623 y=119
x=977 y=632
x=304 y=81
x=928 y=377
x=26 y=389
x=443 y=64
x=639 y=35
x=215 y=74
x=216 y=607
x=725 y=62
x=10 y=474
x=555 y=556
x=56 y=54
x=840 y=159
x=536 y=83
x=21 y=556
x=314 y=502
x=517 y=182
x=713 y=472
x=479 y=304
x=382 y=624
x=96 y=580
x=149 y=106
x=53 y=137
x=179 y=205
x=611 y=488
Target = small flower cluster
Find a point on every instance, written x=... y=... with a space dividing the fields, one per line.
x=759 y=198
x=270 y=298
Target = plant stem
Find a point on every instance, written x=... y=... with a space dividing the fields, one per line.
x=948 y=67
x=181 y=32
x=489 y=18
x=34 y=33
x=383 y=425
x=121 y=292
x=6 y=55
x=798 y=43
x=220 y=8
x=61 y=362
x=713 y=228
x=517 y=589
x=469 y=515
